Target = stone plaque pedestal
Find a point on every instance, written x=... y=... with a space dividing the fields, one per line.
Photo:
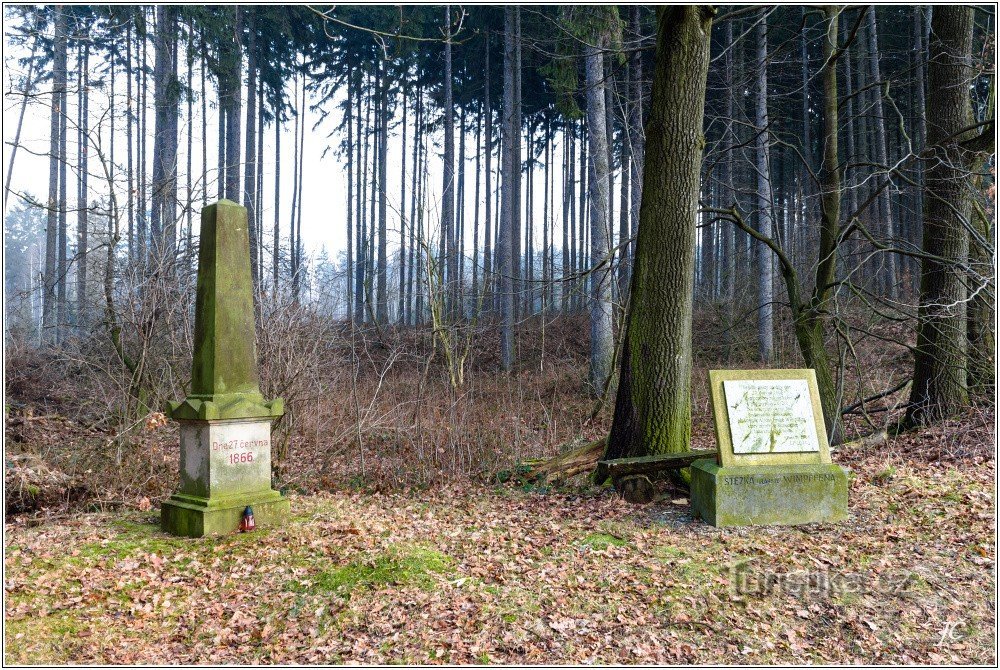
x=768 y=494
x=774 y=462
x=225 y=466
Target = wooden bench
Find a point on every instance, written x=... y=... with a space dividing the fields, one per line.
x=633 y=477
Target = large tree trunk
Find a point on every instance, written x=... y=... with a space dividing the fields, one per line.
x=250 y=167
x=888 y=273
x=515 y=139
x=601 y=329
x=729 y=196
x=82 y=207
x=940 y=372
x=508 y=202
x=765 y=214
x=297 y=247
x=403 y=222
x=920 y=139
x=141 y=139
x=382 y=292
x=232 y=69
x=163 y=219
x=488 y=176
x=636 y=134
x=49 y=324
x=129 y=121
x=624 y=260
x=653 y=406
x=450 y=261
x=188 y=194
x=362 y=171
x=276 y=243
x=204 y=121
x=62 y=265
x=475 y=216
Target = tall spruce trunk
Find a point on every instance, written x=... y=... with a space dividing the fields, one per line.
x=460 y=218
x=488 y=176
x=129 y=121
x=233 y=66
x=940 y=361
x=50 y=325
x=765 y=214
x=276 y=243
x=728 y=186
x=82 y=243
x=62 y=264
x=888 y=273
x=250 y=166
x=403 y=223
x=297 y=247
x=508 y=204
x=163 y=219
x=601 y=327
x=515 y=138
x=636 y=134
x=450 y=260
x=920 y=129
x=653 y=404
x=475 y=216
x=382 y=292
x=188 y=194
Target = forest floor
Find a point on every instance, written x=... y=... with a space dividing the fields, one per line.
x=501 y=574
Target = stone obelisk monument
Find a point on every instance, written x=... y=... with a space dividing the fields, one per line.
x=225 y=422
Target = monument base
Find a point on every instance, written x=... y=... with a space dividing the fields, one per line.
x=193 y=516
x=757 y=495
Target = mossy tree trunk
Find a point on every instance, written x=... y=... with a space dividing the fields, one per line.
x=653 y=406
x=940 y=366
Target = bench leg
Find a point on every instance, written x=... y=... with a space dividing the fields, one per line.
x=636 y=489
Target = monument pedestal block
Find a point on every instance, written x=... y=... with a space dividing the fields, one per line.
x=757 y=495
x=193 y=516
x=225 y=467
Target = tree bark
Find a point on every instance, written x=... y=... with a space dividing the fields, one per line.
x=50 y=325
x=276 y=243
x=250 y=166
x=890 y=277
x=163 y=219
x=382 y=293
x=940 y=361
x=233 y=66
x=488 y=214
x=653 y=405
x=601 y=328
x=450 y=260
x=82 y=244
x=508 y=203
x=636 y=133
x=765 y=214
x=729 y=194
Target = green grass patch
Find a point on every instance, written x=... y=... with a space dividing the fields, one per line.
x=601 y=541
x=47 y=639
x=403 y=565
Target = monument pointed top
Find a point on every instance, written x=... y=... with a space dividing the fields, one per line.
x=224 y=381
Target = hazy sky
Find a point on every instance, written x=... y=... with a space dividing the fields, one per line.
x=325 y=176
